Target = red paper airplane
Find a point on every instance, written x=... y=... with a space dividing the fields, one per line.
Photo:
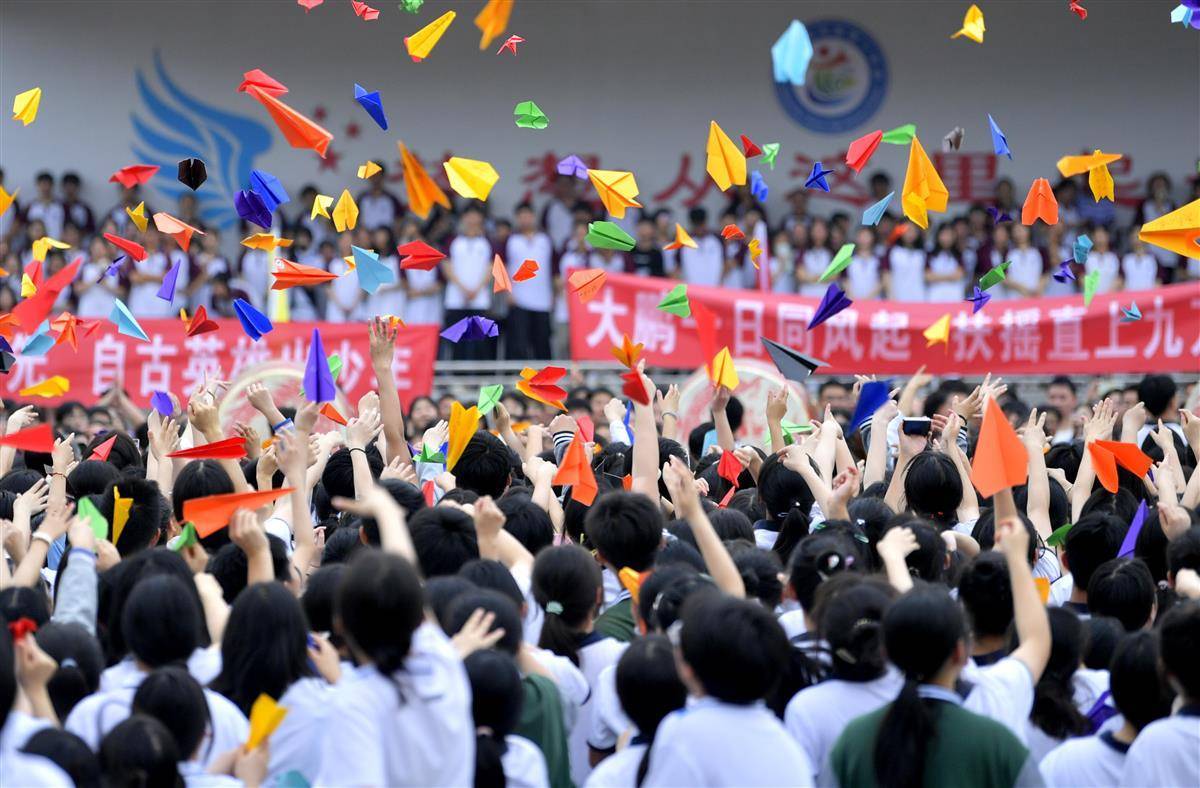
x=861 y=150
x=200 y=324
x=511 y=44
x=102 y=450
x=587 y=283
x=290 y=274
x=749 y=148
x=38 y=439
x=365 y=11
x=419 y=255
x=133 y=175
x=528 y=270
x=131 y=248
x=731 y=232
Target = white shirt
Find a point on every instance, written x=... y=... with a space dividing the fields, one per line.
x=1083 y=763
x=705 y=264
x=295 y=744
x=1003 y=691
x=343 y=290
x=559 y=222
x=535 y=294
x=1026 y=269
x=862 y=276
x=618 y=770
x=1166 y=752
x=815 y=261
x=1108 y=266
x=609 y=721
x=1140 y=271
x=944 y=263
x=715 y=743
x=524 y=765
x=143 y=298
x=596 y=653
x=425 y=308
x=907 y=268
x=196 y=776
x=24 y=769
x=471 y=261
x=389 y=299
x=817 y=715
x=96 y=300
x=376 y=210
x=18 y=729
x=204 y=664
x=411 y=728
x=50 y=214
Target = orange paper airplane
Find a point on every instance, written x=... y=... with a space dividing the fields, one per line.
x=423 y=193
x=628 y=353
x=1040 y=204
x=298 y=130
x=289 y=274
x=1000 y=459
x=587 y=283
x=542 y=386
x=211 y=513
x=923 y=188
x=501 y=281
x=1107 y=455
x=527 y=271
x=575 y=470
x=328 y=411
x=682 y=239
x=181 y=231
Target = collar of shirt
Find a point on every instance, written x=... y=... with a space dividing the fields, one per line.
x=1108 y=738
x=934 y=692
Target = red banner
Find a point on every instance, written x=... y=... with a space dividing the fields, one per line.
x=1018 y=336
x=172 y=361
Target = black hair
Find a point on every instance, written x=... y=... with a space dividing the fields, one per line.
x=667 y=448
x=317 y=599
x=90 y=477
x=200 y=479
x=341 y=545
x=124 y=453
x=1183 y=552
x=140 y=752
x=338 y=476
x=1122 y=588
x=441 y=593
x=787 y=502
x=1092 y=540
x=649 y=689
x=80 y=662
x=507 y=616
x=733 y=647
x=986 y=593
x=851 y=622
x=662 y=595
x=461 y=495
x=817 y=558
x=1103 y=633
x=933 y=488
x=746 y=501
x=529 y=523
x=1054 y=710
x=69 y=753
x=1066 y=457
x=1138 y=687
x=265 y=646
x=760 y=571
x=921 y=631
x=174 y=698
x=1156 y=393
x=1179 y=640
x=489 y=573
x=407 y=494
x=696 y=437
x=229 y=567
x=444 y=539
x=145 y=513
x=1062 y=380
x=732 y=524
x=378 y=607
x=118 y=583
x=566 y=583
x=497 y=696
x=625 y=528
x=485 y=466
x=8 y=675
x=871 y=516
x=24 y=602
x=161 y=621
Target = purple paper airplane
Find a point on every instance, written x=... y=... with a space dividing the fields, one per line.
x=979 y=298
x=318 y=380
x=161 y=402
x=1064 y=272
x=832 y=302
x=471 y=329
x=816 y=180
x=251 y=207
x=573 y=166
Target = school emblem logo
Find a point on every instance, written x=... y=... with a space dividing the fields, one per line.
x=847 y=79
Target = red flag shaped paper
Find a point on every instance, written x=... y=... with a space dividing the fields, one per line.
x=576 y=471
x=132 y=176
x=38 y=438
x=102 y=450
x=1000 y=459
x=861 y=150
x=210 y=514
x=33 y=310
x=634 y=388
x=228 y=449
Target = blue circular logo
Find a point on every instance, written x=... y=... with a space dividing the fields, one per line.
x=847 y=79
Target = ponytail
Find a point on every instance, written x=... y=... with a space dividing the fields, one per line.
x=566 y=584
x=904 y=735
x=649 y=689
x=497 y=696
x=795 y=527
x=1054 y=710
x=489 y=759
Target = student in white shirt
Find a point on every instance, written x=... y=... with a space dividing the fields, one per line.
x=496 y=698
x=814 y=260
x=423 y=289
x=866 y=276
x=1141 y=695
x=730 y=650
x=377 y=207
x=1139 y=267
x=23 y=671
x=860 y=680
x=906 y=262
x=783 y=263
x=161 y=623
x=704 y=265
x=527 y=329
x=1055 y=716
x=44 y=208
x=1026 y=276
x=649 y=689
x=945 y=276
x=146 y=277
x=94 y=290
x=403 y=717
x=567 y=586
x=389 y=299
x=1104 y=260
x=345 y=296
x=468 y=273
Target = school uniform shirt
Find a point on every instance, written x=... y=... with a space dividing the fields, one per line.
x=97 y=714
x=1027 y=268
x=573 y=687
x=388 y=299
x=1166 y=752
x=343 y=290
x=944 y=263
x=19 y=728
x=559 y=223
x=471 y=261
x=425 y=308
x=50 y=213
x=783 y=269
x=413 y=727
x=1002 y=691
x=143 y=298
x=537 y=294
x=196 y=776
x=523 y=763
x=295 y=744
x=908 y=274
x=618 y=770
x=596 y=653
x=863 y=275
x=378 y=210
x=1140 y=271
x=705 y=264
x=25 y=769
x=792 y=621
x=715 y=743
x=814 y=262
x=204 y=664
x=609 y=721
x=1060 y=590
x=1108 y=266
x=1086 y=762
x=817 y=715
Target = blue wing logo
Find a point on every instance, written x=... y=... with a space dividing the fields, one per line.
x=176 y=125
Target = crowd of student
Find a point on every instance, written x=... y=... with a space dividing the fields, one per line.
x=888 y=261
x=849 y=611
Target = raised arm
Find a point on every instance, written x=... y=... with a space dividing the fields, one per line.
x=292 y=451
x=670 y=411
x=645 y=447
x=202 y=412
x=1037 y=501
x=19 y=420
x=1098 y=427
x=720 y=418
x=877 y=448
x=497 y=544
x=682 y=487
x=777 y=403
x=1033 y=627
x=394 y=537
x=359 y=432
x=383 y=351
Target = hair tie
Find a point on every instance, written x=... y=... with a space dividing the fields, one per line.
x=21 y=627
x=69 y=662
x=554 y=608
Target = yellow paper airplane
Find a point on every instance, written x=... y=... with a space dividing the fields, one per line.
x=682 y=239
x=345 y=213
x=44 y=244
x=492 y=20
x=722 y=372
x=138 y=216
x=121 y=507
x=1073 y=165
x=972 y=25
x=923 y=187
x=726 y=162
x=616 y=189
x=320 y=206
x=25 y=105
x=1101 y=182
x=755 y=249
x=422 y=191
x=939 y=332
x=1176 y=231
x=369 y=169
x=470 y=178
x=265 y=716
x=422 y=42
x=28 y=288
x=267 y=241
x=6 y=200
x=51 y=387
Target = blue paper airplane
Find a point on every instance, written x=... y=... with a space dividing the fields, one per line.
x=999 y=141
x=832 y=302
x=1083 y=246
x=251 y=207
x=791 y=53
x=1131 y=314
x=254 y=323
x=371 y=272
x=40 y=343
x=371 y=102
x=127 y=324
x=873 y=395
x=1064 y=272
x=816 y=180
x=268 y=187
x=872 y=215
x=758 y=187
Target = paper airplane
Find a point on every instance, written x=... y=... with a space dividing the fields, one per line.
x=872 y=215
x=367 y=14
x=251 y=207
x=1077 y=9
x=628 y=353
x=792 y=364
x=1081 y=249
x=901 y=135
x=758 y=187
x=1131 y=314
x=298 y=130
x=1000 y=460
x=1091 y=283
x=492 y=20
x=682 y=239
x=166 y=291
x=6 y=200
x=527 y=271
x=25 y=106
x=318 y=381
x=126 y=323
x=832 y=302
x=1074 y=165
x=749 y=148
x=489 y=398
x=816 y=179
x=422 y=42
x=423 y=193
x=838 y=263
x=994 y=276
x=372 y=104
x=181 y=231
x=726 y=165
x=1040 y=203
x=43 y=245
x=791 y=54
x=501 y=281
x=289 y=274
x=192 y=173
x=138 y=216
x=972 y=26
x=607 y=235
x=254 y=322
x=587 y=283
x=676 y=302
x=266 y=242
x=722 y=371
x=923 y=188
x=861 y=150
x=133 y=175
x=731 y=232
x=368 y=170
x=372 y=274
x=470 y=178
x=999 y=141
x=770 y=151
x=528 y=115
x=345 y=212
x=200 y=324
x=871 y=397
x=419 y=255
x=542 y=386
x=320 y=207
x=616 y=189
x=1176 y=231
x=998 y=216
x=938 y=332
x=471 y=329
x=1064 y=272
x=954 y=138
x=978 y=299
x=52 y=387
x=510 y=44
x=572 y=165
